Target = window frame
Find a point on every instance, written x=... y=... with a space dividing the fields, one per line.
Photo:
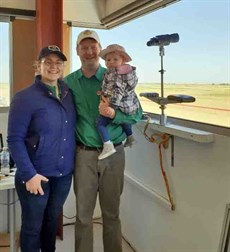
x=7 y=19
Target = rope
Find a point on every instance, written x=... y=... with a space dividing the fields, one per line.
x=161 y=140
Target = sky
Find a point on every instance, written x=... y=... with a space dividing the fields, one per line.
x=4 y=53
x=202 y=54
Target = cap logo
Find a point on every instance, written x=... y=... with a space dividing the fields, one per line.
x=87 y=32
x=54 y=48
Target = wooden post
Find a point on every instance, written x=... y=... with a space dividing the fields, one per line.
x=49 y=23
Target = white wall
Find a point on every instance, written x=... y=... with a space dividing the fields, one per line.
x=200 y=184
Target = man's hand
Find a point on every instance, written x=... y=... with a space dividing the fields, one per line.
x=104 y=108
x=34 y=184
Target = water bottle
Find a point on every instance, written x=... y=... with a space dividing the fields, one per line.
x=5 y=160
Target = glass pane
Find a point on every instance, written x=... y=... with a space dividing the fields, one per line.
x=212 y=103
x=4 y=65
x=198 y=65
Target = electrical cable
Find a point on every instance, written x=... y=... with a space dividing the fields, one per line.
x=161 y=140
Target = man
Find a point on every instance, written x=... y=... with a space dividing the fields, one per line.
x=92 y=176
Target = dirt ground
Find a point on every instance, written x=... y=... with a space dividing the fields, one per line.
x=212 y=103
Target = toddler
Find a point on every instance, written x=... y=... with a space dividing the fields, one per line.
x=118 y=89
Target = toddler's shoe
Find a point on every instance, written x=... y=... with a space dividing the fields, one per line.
x=130 y=141
x=108 y=150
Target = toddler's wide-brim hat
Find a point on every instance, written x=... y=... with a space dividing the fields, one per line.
x=115 y=48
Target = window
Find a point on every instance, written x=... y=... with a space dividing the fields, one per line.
x=198 y=65
x=4 y=63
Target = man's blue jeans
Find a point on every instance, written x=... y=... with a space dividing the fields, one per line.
x=40 y=213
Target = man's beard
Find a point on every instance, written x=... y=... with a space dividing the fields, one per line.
x=90 y=63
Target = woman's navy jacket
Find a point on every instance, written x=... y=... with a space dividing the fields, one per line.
x=41 y=136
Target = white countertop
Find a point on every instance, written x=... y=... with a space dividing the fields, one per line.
x=7 y=182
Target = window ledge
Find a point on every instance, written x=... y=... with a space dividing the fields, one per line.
x=183 y=132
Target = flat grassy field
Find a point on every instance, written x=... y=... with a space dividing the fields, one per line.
x=212 y=103
x=4 y=95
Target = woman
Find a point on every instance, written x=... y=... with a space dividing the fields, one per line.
x=42 y=143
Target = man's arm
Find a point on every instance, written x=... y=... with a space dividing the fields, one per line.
x=120 y=117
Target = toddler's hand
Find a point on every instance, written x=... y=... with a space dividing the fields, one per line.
x=105 y=110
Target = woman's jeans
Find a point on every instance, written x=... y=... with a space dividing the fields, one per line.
x=40 y=213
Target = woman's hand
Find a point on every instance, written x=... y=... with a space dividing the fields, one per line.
x=104 y=108
x=34 y=184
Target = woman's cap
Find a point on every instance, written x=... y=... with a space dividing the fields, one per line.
x=115 y=48
x=87 y=34
x=51 y=49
